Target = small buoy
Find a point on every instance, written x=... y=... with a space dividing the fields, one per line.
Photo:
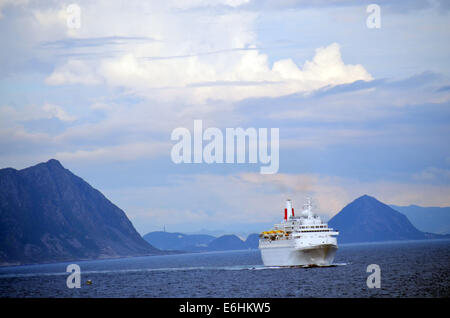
x=88 y=282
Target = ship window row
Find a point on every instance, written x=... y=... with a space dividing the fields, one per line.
x=316 y=227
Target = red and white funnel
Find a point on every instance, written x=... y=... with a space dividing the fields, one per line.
x=288 y=209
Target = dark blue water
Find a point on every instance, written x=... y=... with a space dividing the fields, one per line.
x=408 y=269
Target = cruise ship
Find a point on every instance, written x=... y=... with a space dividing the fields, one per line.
x=302 y=240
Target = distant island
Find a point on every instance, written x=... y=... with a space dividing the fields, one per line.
x=48 y=214
x=199 y=242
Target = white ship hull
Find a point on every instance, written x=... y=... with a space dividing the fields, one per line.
x=320 y=255
x=299 y=240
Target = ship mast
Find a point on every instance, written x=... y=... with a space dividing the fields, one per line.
x=307 y=207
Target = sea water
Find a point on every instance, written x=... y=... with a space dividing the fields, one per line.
x=408 y=269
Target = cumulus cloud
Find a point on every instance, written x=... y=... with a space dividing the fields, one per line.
x=192 y=56
x=248 y=74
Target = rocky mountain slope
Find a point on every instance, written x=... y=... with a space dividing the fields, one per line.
x=49 y=214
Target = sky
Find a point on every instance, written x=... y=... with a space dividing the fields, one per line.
x=101 y=86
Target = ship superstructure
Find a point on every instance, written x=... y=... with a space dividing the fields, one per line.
x=299 y=240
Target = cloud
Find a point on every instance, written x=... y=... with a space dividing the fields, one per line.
x=248 y=74
x=117 y=153
x=72 y=43
x=22 y=146
x=6 y=3
x=11 y=116
x=388 y=5
x=253 y=198
x=333 y=192
x=382 y=101
x=433 y=174
x=73 y=72
x=162 y=64
x=153 y=58
x=57 y=112
x=51 y=17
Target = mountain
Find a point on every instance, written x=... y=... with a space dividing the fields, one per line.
x=368 y=220
x=427 y=219
x=200 y=242
x=49 y=214
x=227 y=242
x=178 y=241
x=252 y=241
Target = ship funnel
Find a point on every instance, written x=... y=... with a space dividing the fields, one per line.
x=289 y=209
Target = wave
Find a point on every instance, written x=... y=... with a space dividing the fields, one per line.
x=165 y=269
